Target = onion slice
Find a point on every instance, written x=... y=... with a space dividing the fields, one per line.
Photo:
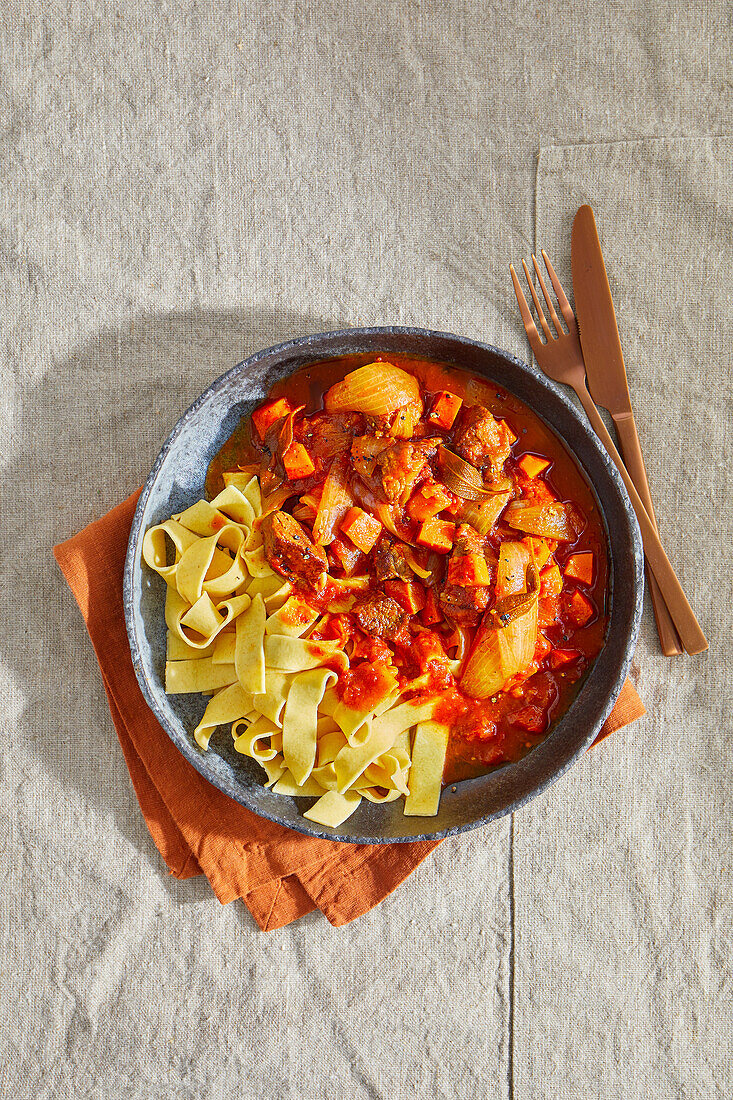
x=506 y=640
x=554 y=520
x=484 y=514
x=377 y=389
x=336 y=499
x=465 y=480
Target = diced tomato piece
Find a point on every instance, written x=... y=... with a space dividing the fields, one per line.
x=371 y=649
x=548 y=610
x=437 y=534
x=264 y=417
x=469 y=571
x=560 y=657
x=580 y=609
x=580 y=567
x=333 y=628
x=363 y=530
x=431 y=613
x=550 y=581
x=542 y=648
x=408 y=594
x=297 y=462
x=364 y=686
x=445 y=409
x=427 y=652
x=429 y=499
x=532 y=719
x=533 y=465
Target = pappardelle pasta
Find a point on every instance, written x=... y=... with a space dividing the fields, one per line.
x=381 y=592
x=239 y=632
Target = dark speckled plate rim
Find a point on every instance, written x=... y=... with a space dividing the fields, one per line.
x=302 y=345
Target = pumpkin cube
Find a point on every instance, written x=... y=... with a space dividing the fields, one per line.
x=469 y=571
x=429 y=499
x=550 y=581
x=431 y=613
x=268 y=414
x=408 y=594
x=580 y=567
x=437 y=534
x=297 y=462
x=580 y=609
x=561 y=657
x=445 y=409
x=363 y=530
x=533 y=465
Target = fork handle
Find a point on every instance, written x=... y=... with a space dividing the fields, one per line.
x=683 y=616
x=628 y=438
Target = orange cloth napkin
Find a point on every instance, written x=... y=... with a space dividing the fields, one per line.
x=279 y=874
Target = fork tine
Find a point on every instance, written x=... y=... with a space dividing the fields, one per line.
x=565 y=307
x=535 y=299
x=527 y=319
x=548 y=298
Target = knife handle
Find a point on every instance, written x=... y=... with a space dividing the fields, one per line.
x=631 y=451
x=683 y=616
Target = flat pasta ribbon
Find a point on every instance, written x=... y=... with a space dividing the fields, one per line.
x=333 y=808
x=199 y=625
x=298 y=654
x=272 y=588
x=300 y=720
x=240 y=633
x=271 y=702
x=261 y=740
x=177 y=649
x=155 y=548
x=206 y=568
x=353 y=760
x=294 y=618
x=249 y=650
x=426 y=775
x=226 y=707
x=184 y=677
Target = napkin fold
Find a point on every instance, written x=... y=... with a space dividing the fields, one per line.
x=279 y=874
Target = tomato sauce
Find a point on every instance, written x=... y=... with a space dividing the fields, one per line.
x=422 y=654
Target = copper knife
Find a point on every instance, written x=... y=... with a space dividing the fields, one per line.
x=606 y=375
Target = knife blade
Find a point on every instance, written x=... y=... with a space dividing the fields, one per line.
x=606 y=376
x=599 y=335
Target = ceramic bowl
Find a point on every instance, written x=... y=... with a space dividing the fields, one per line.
x=177 y=480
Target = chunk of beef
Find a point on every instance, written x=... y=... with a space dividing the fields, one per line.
x=289 y=550
x=325 y=436
x=381 y=617
x=401 y=466
x=364 y=452
x=464 y=605
x=390 y=561
x=482 y=440
x=468 y=541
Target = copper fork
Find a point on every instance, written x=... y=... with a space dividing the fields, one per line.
x=561 y=358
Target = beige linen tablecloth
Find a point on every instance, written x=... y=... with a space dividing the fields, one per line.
x=183 y=184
